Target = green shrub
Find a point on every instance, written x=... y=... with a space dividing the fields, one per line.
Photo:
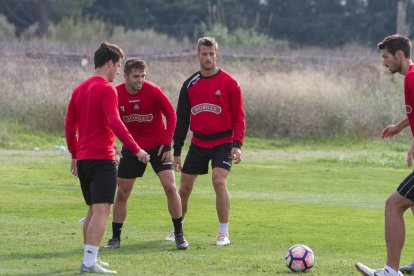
x=241 y=37
x=7 y=30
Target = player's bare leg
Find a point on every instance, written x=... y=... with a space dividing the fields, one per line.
x=174 y=202
x=94 y=230
x=120 y=210
x=121 y=200
x=408 y=269
x=186 y=187
x=174 y=207
x=219 y=178
x=395 y=207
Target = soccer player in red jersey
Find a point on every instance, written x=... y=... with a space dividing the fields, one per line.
x=142 y=105
x=92 y=119
x=395 y=53
x=211 y=104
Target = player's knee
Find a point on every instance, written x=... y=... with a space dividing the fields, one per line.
x=184 y=192
x=219 y=184
x=170 y=190
x=122 y=195
x=395 y=203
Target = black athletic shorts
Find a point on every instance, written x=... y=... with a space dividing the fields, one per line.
x=97 y=180
x=406 y=188
x=129 y=166
x=196 y=161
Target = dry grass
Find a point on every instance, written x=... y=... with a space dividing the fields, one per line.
x=355 y=99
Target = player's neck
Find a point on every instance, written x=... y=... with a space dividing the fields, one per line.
x=130 y=90
x=209 y=73
x=101 y=72
x=406 y=66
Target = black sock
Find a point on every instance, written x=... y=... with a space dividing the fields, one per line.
x=116 y=230
x=178 y=225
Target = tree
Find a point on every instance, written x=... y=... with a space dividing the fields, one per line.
x=24 y=13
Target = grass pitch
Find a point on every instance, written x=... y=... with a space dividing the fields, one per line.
x=326 y=196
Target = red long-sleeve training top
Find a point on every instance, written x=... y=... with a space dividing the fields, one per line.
x=210 y=105
x=142 y=113
x=92 y=118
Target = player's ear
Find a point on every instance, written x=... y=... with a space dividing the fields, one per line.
x=399 y=54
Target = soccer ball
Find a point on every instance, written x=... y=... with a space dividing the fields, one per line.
x=299 y=258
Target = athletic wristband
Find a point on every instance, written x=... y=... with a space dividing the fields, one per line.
x=237 y=144
x=166 y=148
x=177 y=151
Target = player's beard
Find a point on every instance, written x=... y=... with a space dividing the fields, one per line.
x=208 y=66
x=134 y=87
x=397 y=68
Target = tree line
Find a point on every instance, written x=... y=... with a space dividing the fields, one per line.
x=325 y=23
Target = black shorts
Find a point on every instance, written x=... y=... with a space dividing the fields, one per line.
x=197 y=158
x=129 y=166
x=406 y=188
x=97 y=180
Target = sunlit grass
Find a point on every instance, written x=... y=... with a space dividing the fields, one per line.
x=331 y=200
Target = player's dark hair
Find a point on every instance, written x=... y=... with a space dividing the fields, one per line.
x=133 y=64
x=207 y=41
x=107 y=52
x=393 y=43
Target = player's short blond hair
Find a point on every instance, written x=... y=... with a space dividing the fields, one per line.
x=132 y=64
x=207 y=41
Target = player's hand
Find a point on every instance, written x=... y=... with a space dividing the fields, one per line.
x=390 y=131
x=410 y=156
x=166 y=153
x=143 y=156
x=119 y=153
x=177 y=163
x=236 y=155
x=73 y=167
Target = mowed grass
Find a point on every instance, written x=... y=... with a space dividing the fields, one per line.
x=328 y=197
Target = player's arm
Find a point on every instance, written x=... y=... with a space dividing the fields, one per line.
x=70 y=132
x=238 y=122
x=110 y=108
x=167 y=109
x=183 y=123
x=410 y=156
x=392 y=130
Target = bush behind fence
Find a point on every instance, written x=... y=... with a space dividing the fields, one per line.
x=355 y=99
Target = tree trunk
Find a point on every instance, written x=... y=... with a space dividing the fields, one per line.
x=402 y=27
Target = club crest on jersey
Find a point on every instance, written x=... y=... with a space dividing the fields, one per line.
x=122 y=108
x=136 y=107
x=218 y=93
x=205 y=107
x=408 y=109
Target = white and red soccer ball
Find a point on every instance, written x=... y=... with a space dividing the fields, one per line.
x=299 y=258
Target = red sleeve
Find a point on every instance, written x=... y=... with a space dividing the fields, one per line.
x=168 y=111
x=237 y=114
x=71 y=128
x=110 y=107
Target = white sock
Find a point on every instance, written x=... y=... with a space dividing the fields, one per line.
x=389 y=271
x=224 y=229
x=89 y=255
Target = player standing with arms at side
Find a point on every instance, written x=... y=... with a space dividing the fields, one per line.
x=92 y=119
x=211 y=104
x=395 y=53
x=142 y=105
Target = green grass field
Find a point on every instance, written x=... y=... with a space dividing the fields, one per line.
x=329 y=196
